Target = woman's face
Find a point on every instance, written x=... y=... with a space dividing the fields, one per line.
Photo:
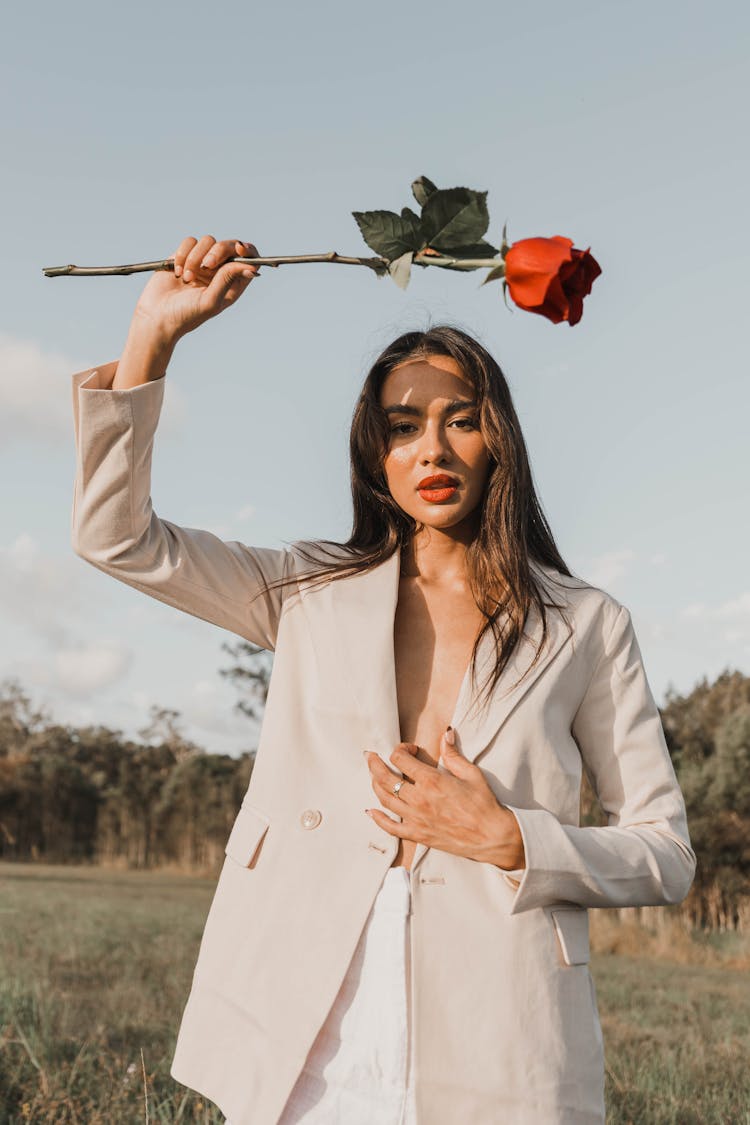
x=434 y=426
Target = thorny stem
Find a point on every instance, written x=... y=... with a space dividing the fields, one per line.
x=379 y=265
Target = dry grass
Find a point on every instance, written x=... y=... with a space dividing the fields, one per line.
x=660 y=934
x=95 y=966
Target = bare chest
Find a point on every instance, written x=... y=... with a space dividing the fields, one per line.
x=434 y=635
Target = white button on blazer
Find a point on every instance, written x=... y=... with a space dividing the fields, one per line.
x=505 y=1024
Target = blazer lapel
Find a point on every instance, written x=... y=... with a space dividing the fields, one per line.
x=478 y=726
x=353 y=630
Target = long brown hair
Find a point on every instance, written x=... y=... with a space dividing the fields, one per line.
x=512 y=528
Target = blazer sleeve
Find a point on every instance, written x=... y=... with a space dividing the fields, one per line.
x=115 y=528
x=642 y=857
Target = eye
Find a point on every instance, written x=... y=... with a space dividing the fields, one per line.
x=469 y=423
x=398 y=428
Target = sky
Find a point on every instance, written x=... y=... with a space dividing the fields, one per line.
x=126 y=128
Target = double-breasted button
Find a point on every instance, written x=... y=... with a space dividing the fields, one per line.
x=310 y=818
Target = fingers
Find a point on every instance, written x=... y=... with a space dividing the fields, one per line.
x=383 y=779
x=404 y=758
x=396 y=804
x=181 y=254
x=388 y=824
x=206 y=264
x=248 y=250
x=197 y=258
x=229 y=248
x=228 y=283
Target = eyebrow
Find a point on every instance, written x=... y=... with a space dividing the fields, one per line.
x=451 y=408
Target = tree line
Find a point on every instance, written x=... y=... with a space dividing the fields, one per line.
x=89 y=795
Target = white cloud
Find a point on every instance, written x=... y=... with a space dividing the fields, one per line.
x=734 y=608
x=210 y=707
x=31 y=381
x=88 y=668
x=37 y=590
x=606 y=570
x=78 y=670
x=35 y=393
x=44 y=595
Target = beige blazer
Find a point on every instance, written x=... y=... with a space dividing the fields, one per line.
x=505 y=1024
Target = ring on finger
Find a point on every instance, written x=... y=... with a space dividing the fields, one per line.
x=398 y=786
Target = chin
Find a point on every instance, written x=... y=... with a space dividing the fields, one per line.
x=441 y=520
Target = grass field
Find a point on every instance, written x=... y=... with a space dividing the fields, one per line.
x=95 y=966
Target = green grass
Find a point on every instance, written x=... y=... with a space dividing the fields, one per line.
x=677 y=1041
x=95 y=966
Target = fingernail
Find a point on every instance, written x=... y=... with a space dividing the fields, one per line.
x=187 y=275
x=177 y=271
x=450 y=736
x=207 y=262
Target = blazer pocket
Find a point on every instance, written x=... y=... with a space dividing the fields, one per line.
x=247 y=833
x=572 y=929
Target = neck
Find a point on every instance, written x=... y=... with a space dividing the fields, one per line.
x=436 y=556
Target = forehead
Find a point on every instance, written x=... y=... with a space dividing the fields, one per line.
x=420 y=381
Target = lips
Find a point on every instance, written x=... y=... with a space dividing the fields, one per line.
x=439 y=480
x=437 y=488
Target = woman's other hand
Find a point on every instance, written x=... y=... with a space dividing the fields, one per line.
x=453 y=810
x=203 y=284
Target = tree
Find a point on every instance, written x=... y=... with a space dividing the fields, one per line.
x=251 y=675
x=708 y=733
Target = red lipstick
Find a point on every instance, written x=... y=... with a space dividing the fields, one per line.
x=437 y=488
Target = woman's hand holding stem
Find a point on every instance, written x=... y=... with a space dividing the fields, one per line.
x=203 y=283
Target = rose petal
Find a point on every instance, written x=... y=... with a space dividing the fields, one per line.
x=529 y=265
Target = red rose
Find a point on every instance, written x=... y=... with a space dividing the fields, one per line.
x=548 y=276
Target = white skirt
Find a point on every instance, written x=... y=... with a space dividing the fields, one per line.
x=357 y=1070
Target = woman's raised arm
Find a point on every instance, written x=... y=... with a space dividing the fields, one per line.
x=116 y=410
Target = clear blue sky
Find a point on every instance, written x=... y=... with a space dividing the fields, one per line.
x=128 y=127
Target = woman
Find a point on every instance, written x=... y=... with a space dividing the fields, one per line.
x=399 y=933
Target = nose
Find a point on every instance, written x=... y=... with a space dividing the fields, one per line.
x=434 y=447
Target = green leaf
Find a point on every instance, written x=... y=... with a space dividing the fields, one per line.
x=454 y=217
x=495 y=275
x=410 y=216
x=505 y=245
x=389 y=234
x=400 y=269
x=479 y=249
x=422 y=189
